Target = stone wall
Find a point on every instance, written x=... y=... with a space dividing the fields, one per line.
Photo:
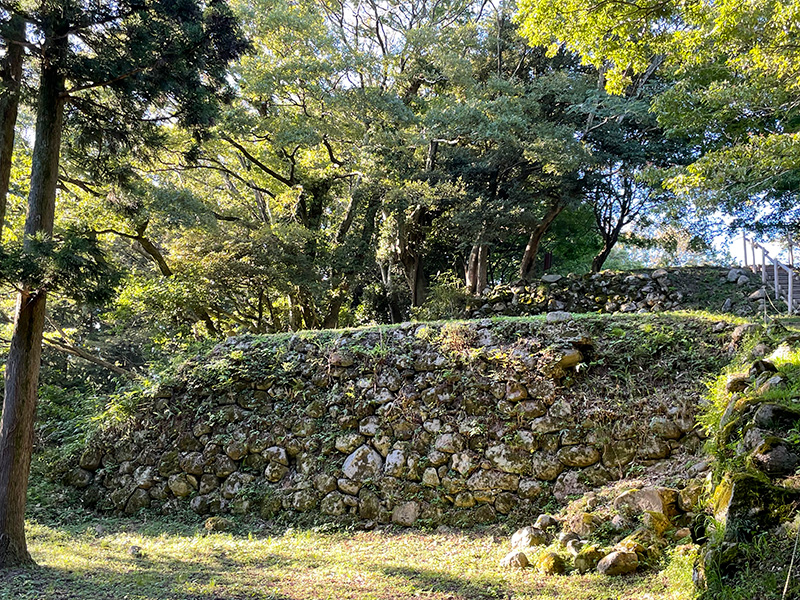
x=459 y=423
x=718 y=289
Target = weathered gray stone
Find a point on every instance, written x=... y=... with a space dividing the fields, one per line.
x=348 y=442
x=181 y=485
x=275 y=472
x=558 y=316
x=193 y=463
x=236 y=449
x=395 y=464
x=493 y=480
x=464 y=462
x=333 y=504
x=530 y=488
x=204 y=505
x=223 y=466
x=665 y=428
x=430 y=478
x=528 y=537
x=515 y=391
x=90 y=459
x=276 y=454
x=235 y=483
x=514 y=560
x=324 y=483
x=348 y=486
x=406 y=514
x=363 y=464
x=369 y=426
x=578 y=456
x=619 y=562
x=546 y=521
x=138 y=500
x=79 y=478
x=144 y=477
x=619 y=453
x=546 y=424
x=505 y=502
x=303 y=500
x=546 y=467
x=449 y=442
x=510 y=460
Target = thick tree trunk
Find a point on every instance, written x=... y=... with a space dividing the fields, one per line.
x=24 y=356
x=10 y=80
x=476 y=275
x=599 y=260
x=532 y=249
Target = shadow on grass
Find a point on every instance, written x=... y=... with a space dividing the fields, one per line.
x=142 y=579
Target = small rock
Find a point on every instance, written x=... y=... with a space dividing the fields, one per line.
x=515 y=560
x=550 y=564
x=743 y=280
x=759 y=294
x=618 y=563
x=546 y=521
x=135 y=551
x=574 y=546
x=552 y=278
x=737 y=383
x=587 y=559
x=528 y=537
x=565 y=537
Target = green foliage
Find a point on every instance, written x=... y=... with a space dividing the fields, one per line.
x=728 y=87
x=72 y=264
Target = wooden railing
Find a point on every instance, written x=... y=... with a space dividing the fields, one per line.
x=776 y=269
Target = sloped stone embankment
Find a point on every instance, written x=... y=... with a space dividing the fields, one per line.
x=455 y=423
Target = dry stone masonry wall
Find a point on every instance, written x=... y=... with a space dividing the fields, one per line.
x=457 y=423
x=717 y=289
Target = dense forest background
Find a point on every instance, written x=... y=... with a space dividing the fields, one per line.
x=369 y=160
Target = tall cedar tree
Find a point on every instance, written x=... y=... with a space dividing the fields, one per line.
x=116 y=68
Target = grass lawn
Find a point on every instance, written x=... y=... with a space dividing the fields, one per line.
x=77 y=562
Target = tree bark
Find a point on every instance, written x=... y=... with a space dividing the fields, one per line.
x=10 y=80
x=532 y=249
x=24 y=356
x=477 y=269
x=599 y=260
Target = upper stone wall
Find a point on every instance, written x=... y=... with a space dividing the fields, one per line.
x=460 y=422
x=717 y=289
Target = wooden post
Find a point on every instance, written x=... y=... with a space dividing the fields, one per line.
x=790 y=297
x=763 y=265
x=777 y=283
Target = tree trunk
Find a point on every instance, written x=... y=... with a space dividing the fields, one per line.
x=24 y=356
x=532 y=249
x=477 y=269
x=11 y=70
x=600 y=259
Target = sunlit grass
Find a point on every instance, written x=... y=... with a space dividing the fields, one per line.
x=305 y=565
